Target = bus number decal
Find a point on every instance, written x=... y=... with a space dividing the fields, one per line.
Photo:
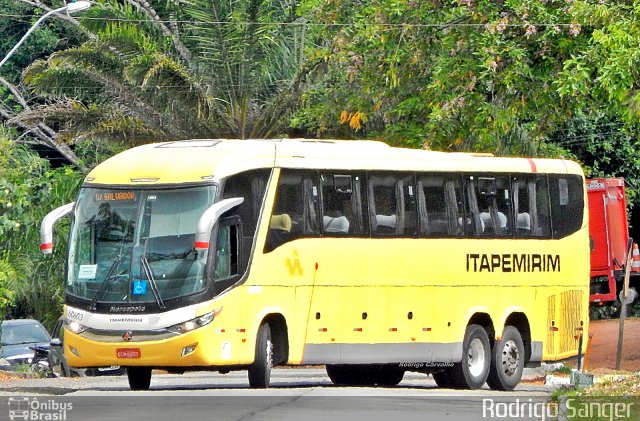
x=75 y=315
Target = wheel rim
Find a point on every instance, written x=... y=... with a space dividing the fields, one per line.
x=510 y=358
x=269 y=354
x=476 y=357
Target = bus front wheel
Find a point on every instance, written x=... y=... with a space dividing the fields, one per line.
x=473 y=370
x=260 y=370
x=139 y=378
x=507 y=360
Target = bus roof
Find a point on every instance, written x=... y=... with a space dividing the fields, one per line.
x=200 y=160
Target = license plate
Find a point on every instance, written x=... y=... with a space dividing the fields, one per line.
x=128 y=352
x=110 y=368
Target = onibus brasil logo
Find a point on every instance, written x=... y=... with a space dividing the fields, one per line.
x=38 y=409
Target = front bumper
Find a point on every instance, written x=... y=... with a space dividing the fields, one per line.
x=204 y=347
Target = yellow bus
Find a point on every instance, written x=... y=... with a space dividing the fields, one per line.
x=372 y=260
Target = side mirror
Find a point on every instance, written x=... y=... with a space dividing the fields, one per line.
x=55 y=342
x=46 y=228
x=210 y=217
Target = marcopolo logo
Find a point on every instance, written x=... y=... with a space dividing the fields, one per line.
x=45 y=409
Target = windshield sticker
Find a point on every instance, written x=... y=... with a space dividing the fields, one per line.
x=118 y=196
x=87 y=271
x=139 y=287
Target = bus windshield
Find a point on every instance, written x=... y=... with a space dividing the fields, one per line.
x=137 y=246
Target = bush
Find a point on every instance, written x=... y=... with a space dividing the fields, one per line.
x=31 y=285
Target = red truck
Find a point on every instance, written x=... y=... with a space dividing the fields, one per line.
x=609 y=236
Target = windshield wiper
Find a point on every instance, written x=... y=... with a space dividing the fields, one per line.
x=104 y=283
x=152 y=281
x=25 y=342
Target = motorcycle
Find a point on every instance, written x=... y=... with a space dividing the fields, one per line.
x=39 y=363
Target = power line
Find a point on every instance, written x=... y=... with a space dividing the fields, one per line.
x=324 y=24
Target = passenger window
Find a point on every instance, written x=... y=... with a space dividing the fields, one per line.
x=493 y=195
x=440 y=205
x=342 y=205
x=392 y=205
x=566 y=193
x=295 y=211
x=531 y=206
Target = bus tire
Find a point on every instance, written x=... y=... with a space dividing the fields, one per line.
x=340 y=375
x=442 y=379
x=351 y=375
x=365 y=375
x=139 y=377
x=389 y=376
x=507 y=360
x=473 y=370
x=260 y=370
x=64 y=369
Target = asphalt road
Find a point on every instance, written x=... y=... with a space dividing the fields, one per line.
x=295 y=394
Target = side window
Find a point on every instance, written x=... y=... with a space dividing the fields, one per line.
x=251 y=186
x=566 y=193
x=343 y=207
x=440 y=205
x=493 y=195
x=474 y=225
x=531 y=206
x=226 y=265
x=295 y=211
x=392 y=205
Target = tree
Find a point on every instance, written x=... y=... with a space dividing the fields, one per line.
x=605 y=73
x=30 y=285
x=48 y=38
x=165 y=70
x=448 y=75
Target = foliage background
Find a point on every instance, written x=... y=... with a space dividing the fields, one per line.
x=515 y=77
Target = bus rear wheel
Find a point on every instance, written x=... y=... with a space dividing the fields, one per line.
x=260 y=370
x=139 y=378
x=473 y=370
x=507 y=360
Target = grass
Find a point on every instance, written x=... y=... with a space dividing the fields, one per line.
x=617 y=385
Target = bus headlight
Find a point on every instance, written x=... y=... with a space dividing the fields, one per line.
x=75 y=327
x=192 y=324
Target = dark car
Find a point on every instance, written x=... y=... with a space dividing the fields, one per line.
x=60 y=366
x=16 y=336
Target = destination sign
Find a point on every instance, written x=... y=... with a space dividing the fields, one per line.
x=115 y=196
